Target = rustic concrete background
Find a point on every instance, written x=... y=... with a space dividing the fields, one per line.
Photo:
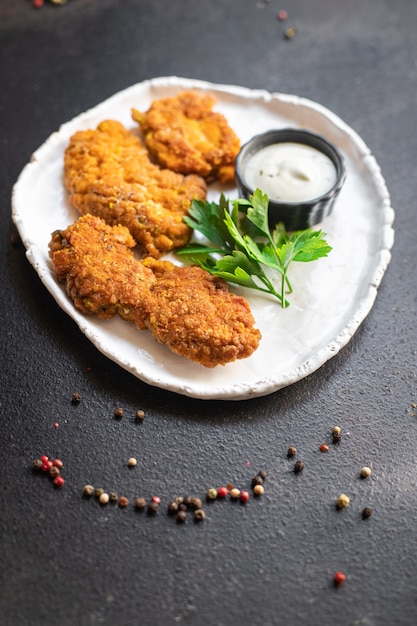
x=67 y=561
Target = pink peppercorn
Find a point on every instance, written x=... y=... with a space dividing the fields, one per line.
x=324 y=448
x=38 y=3
x=339 y=578
x=59 y=481
x=244 y=495
x=46 y=465
x=156 y=499
x=44 y=458
x=222 y=492
x=282 y=15
x=58 y=463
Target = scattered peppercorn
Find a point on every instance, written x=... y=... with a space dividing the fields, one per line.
x=342 y=501
x=76 y=397
x=367 y=512
x=211 y=494
x=58 y=463
x=156 y=499
x=366 y=472
x=173 y=507
x=263 y=474
x=54 y=471
x=244 y=496
x=199 y=515
x=221 y=492
x=140 y=503
x=292 y=451
x=104 y=498
x=88 y=491
x=132 y=462
x=339 y=578
x=282 y=15
x=181 y=516
x=298 y=467
x=196 y=503
x=123 y=502
x=324 y=448
x=113 y=496
x=290 y=32
x=59 y=481
x=37 y=464
x=257 y=480
x=98 y=491
x=118 y=412
x=337 y=434
x=140 y=415
x=235 y=493
x=258 y=490
x=46 y=466
x=152 y=507
x=44 y=458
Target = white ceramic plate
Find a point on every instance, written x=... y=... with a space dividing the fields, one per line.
x=331 y=298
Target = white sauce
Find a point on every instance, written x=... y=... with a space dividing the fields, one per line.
x=290 y=172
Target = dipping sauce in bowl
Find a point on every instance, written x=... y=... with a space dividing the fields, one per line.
x=301 y=172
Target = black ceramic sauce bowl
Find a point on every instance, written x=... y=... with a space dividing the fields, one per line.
x=301 y=214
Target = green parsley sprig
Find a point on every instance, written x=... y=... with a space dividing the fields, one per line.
x=240 y=245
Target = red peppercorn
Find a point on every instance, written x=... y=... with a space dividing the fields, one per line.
x=46 y=465
x=156 y=499
x=44 y=458
x=222 y=492
x=38 y=3
x=282 y=15
x=58 y=463
x=339 y=578
x=324 y=448
x=59 y=481
x=244 y=495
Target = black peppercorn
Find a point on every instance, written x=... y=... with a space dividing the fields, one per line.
x=298 y=467
x=367 y=512
x=173 y=507
x=76 y=397
x=140 y=503
x=181 y=516
x=257 y=480
x=292 y=451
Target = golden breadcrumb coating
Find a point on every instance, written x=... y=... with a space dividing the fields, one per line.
x=184 y=134
x=186 y=308
x=197 y=316
x=108 y=173
x=101 y=275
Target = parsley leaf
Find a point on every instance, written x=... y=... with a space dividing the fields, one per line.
x=241 y=247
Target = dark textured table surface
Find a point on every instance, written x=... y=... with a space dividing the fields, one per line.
x=68 y=561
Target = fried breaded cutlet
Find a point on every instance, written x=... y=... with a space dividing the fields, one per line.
x=108 y=173
x=198 y=317
x=100 y=272
x=184 y=134
x=186 y=308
